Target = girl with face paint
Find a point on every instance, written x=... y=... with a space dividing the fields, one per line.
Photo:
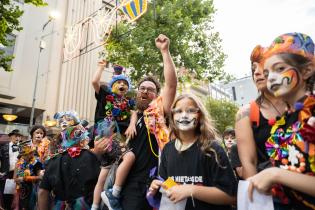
x=289 y=64
x=195 y=160
x=252 y=126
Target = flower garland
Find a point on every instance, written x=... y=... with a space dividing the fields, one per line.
x=118 y=107
x=284 y=145
x=25 y=168
x=276 y=145
x=294 y=148
x=155 y=122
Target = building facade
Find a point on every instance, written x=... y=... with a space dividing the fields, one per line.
x=242 y=90
x=62 y=84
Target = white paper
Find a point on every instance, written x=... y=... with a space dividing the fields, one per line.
x=9 y=187
x=260 y=201
x=167 y=204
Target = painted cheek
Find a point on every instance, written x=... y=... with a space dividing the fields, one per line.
x=115 y=88
x=272 y=77
x=176 y=117
x=293 y=78
x=289 y=80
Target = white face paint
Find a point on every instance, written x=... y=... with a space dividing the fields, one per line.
x=186 y=120
x=65 y=122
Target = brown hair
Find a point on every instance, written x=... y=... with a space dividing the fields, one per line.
x=151 y=79
x=300 y=63
x=205 y=128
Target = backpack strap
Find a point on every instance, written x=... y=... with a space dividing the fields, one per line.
x=254 y=113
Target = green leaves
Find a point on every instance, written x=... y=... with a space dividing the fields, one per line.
x=188 y=24
x=9 y=23
x=37 y=3
x=222 y=112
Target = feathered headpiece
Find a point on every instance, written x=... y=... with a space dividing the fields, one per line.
x=72 y=114
x=73 y=135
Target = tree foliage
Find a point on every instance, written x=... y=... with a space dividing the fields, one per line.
x=9 y=23
x=188 y=24
x=222 y=112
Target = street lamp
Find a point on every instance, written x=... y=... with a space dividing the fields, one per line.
x=42 y=45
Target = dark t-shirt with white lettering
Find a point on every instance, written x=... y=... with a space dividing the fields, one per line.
x=194 y=166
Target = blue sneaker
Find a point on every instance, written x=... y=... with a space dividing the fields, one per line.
x=105 y=200
x=113 y=201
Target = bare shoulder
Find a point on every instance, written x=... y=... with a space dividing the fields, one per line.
x=242 y=112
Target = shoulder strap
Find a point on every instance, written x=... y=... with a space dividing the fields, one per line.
x=254 y=113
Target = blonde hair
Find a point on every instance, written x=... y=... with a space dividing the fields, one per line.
x=205 y=128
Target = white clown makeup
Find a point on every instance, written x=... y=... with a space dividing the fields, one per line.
x=65 y=122
x=282 y=78
x=38 y=135
x=186 y=119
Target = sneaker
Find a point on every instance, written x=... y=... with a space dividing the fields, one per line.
x=111 y=201
x=105 y=200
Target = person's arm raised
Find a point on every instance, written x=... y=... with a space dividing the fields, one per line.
x=162 y=42
x=97 y=76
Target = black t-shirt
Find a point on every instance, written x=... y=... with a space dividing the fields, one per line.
x=101 y=103
x=71 y=178
x=145 y=159
x=193 y=166
x=261 y=134
x=234 y=158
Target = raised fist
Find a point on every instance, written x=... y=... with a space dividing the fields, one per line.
x=162 y=42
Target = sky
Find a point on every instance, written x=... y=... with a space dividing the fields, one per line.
x=243 y=24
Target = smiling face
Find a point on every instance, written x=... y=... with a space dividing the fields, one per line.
x=146 y=93
x=186 y=115
x=282 y=77
x=120 y=87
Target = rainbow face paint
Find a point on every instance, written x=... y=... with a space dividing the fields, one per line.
x=282 y=83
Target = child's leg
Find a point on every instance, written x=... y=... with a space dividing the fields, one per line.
x=122 y=172
x=99 y=186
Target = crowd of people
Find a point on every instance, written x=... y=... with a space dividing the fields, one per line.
x=161 y=150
